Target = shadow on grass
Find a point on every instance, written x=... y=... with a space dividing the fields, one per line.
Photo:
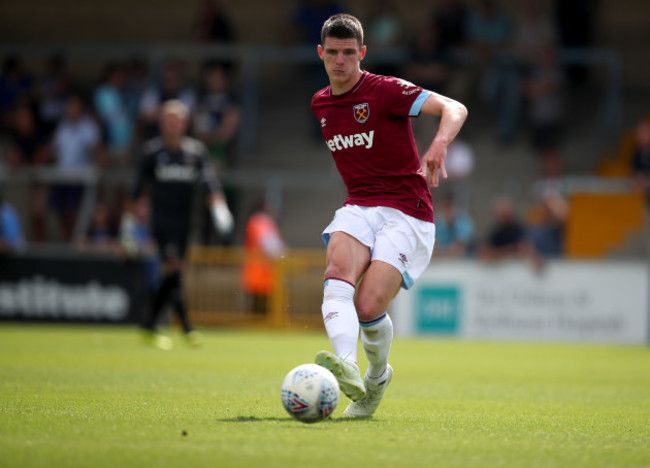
x=255 y=419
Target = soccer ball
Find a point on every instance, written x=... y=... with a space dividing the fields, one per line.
x=310 y=393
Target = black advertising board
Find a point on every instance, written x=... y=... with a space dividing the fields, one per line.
x=71 y=288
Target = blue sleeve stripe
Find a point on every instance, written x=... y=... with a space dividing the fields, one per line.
x=418 y=103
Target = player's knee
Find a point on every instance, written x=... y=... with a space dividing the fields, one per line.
x=368 y=307
x=336 y=272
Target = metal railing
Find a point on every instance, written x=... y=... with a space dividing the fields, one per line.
x=216 y=297
x=272 y=182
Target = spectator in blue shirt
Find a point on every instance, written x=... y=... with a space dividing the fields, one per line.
x=454 y=230
x=11 y=234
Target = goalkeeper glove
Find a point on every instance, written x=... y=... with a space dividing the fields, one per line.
x=127 y=236
x=222 y=218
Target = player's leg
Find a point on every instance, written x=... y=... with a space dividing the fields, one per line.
x=160 y=295
x=178 y=301
x=347 y=259
x=401 y=252
x=377 y=288
x=177 y=296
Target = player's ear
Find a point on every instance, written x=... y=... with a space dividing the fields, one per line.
x=363 y=52
x=320 y=51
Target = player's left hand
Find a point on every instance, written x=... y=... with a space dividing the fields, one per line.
x=433 y=163
x=221 y=216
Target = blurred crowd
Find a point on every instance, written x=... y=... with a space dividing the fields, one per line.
x=53 y=121
x=472 y=51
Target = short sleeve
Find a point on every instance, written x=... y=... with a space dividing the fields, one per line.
x=400 y=96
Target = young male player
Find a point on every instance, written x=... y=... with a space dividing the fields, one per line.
x=383 y=236
x=170 y=167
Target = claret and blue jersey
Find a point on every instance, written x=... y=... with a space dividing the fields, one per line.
x=368 y=131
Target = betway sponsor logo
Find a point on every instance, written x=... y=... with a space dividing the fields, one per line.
x=176 y=173
x=340 y=142
x=38 y=297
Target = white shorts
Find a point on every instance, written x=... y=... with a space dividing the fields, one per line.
x=393 y=237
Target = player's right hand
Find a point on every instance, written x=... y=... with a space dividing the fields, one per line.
x=433 y=164
x=127 y=235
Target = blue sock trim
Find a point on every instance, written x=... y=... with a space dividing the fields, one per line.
x=375 y=321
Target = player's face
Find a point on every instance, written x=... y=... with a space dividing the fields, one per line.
x=342 y=58
x=173 y=124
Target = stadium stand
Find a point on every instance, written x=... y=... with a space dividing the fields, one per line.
x=280 y=159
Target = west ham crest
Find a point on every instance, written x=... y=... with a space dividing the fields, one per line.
x=361 y=112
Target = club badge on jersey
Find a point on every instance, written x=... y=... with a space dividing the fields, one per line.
x=361 y=112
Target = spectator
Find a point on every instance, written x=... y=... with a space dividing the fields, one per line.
x=383 y=30
x=28 y=148
x=534 y=33
x=454 y=230
x=489 y=30
x=172 y=86
x=218 y=115
x=305 y=27
x=544 y=90
x=428 y=63
x=641 y=158
x=146 y=244
x=75 y=145
x=52 y=91
x=547 y=226
x=136 y=72
x=28 y=145
x=508 y=237
x=460 y=166
x=428 y=66
x=263 y=245
x=575 y=26
x=451 y=21
x=309 y=18
x=15 y=88
x=490 y=34
x=11 y=235
x=217 y=124
x=102 y=233
x=212 y=24
x=112 y=108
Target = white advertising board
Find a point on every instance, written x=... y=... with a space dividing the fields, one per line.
x=564 y=301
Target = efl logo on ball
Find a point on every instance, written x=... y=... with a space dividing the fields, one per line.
x=310 y=393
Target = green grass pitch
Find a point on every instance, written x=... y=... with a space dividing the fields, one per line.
x=95 y=397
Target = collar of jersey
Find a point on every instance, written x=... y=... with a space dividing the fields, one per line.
x=354 y=89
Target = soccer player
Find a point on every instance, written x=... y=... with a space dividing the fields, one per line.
x=170 y=167
x=383 y=236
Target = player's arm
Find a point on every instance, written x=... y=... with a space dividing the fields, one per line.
x=221 y=215
x=452 y=116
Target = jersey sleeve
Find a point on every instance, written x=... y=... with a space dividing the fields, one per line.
x=403 y=98
x=209 y=178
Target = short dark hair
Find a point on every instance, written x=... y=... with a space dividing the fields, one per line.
x=342 y=26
